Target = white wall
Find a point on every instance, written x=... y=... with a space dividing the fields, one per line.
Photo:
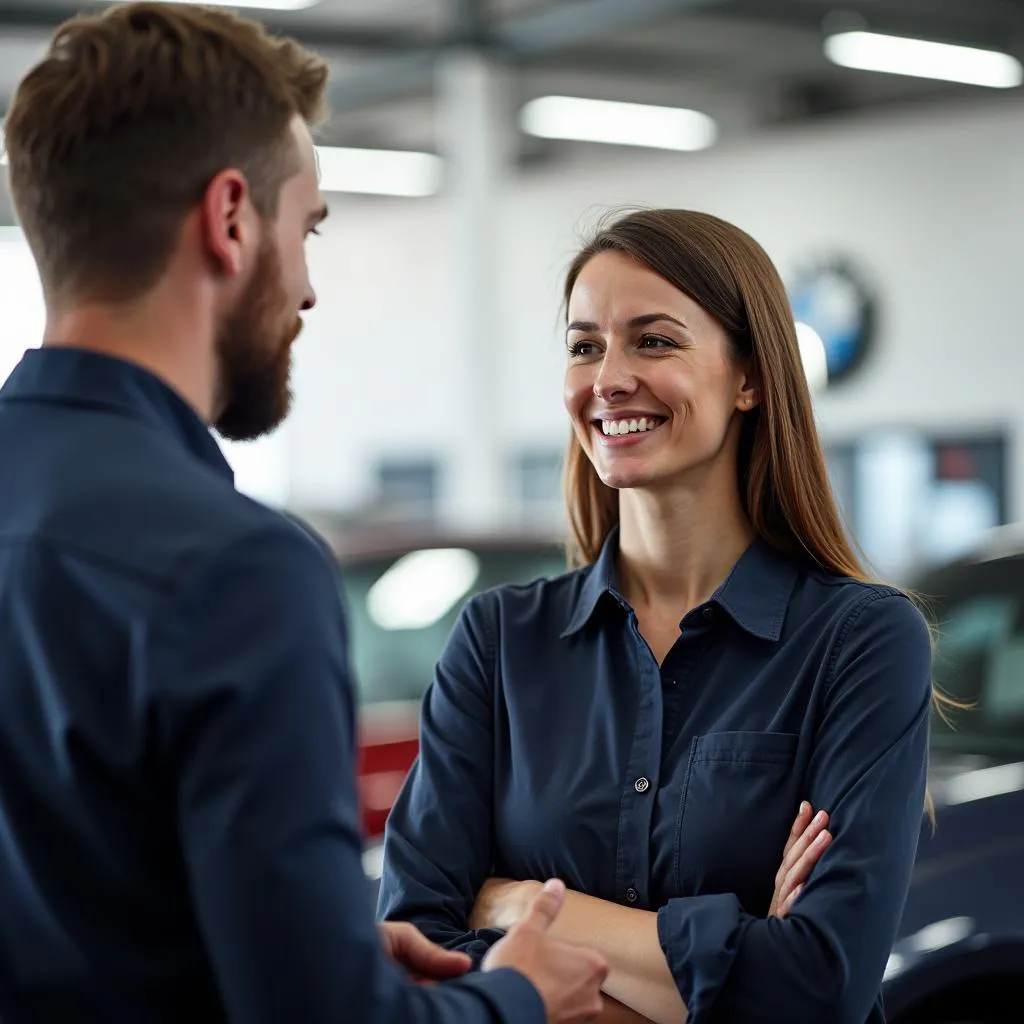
x=933 y=207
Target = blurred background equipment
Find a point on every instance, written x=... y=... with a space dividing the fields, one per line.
x=875 y=149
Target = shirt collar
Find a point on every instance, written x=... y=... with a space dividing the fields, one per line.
x=600 y=578
x=755 y=594
x=77 y=377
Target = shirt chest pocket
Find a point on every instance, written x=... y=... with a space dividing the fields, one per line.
x=739 y=798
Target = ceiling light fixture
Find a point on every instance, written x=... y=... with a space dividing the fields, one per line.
x=621 y=124
x=919 y=58
x=386 y=172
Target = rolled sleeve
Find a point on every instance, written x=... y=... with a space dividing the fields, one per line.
x=256 y=716
x=438 y=847
x=825 y=960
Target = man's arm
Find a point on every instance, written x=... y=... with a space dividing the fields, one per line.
x=255 y=713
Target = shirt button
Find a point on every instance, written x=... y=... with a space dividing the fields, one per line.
x=632 y=895
x=709 y=612
x=642 y=785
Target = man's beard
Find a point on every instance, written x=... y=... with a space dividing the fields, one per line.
x=254 y=355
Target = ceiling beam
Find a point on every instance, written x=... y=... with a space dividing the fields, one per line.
x=528 y=37
x=26 y=15
x=472 y=21
x=408 y=59
x=577 y=22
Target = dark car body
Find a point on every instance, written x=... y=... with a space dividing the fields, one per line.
x=960 y=952
x=959 y=958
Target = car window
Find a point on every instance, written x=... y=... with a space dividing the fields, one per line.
x=979 y=614
x=402 y=609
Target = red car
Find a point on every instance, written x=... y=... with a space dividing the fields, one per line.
x=403 y=594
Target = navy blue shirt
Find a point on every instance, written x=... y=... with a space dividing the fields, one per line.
x=553 y=744
x=179 y=837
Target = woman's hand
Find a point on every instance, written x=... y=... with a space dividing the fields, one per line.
x=808 y=840
x=502 y=903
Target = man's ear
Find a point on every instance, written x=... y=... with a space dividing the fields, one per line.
x=225 y=224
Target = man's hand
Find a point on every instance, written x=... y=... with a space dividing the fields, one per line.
x=568 y=978
x=808 y=840
x=422 y=959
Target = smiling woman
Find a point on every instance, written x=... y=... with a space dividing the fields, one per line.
x=715 y=730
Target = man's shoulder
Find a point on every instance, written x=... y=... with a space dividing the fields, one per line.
x=146 y=507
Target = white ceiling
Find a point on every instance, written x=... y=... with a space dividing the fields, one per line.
x=749 y=63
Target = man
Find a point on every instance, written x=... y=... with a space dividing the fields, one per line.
x=178 y=827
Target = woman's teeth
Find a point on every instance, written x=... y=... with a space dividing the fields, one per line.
x=615 y=428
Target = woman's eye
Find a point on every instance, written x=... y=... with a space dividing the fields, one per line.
x=581 y=348
x=657 y=341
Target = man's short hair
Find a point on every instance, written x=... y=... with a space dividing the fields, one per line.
x=117 y=133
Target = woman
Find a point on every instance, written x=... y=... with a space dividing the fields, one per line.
x=646 y=727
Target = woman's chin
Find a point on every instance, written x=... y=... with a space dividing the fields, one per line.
x=624 y=479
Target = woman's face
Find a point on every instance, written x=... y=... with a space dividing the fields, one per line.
x=651 y=386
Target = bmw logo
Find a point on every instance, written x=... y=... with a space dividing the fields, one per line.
x=835 y=315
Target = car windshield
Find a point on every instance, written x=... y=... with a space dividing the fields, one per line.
x=403 y=607
x=978 y=610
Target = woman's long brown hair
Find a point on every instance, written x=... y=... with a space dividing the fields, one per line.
x=782 y=477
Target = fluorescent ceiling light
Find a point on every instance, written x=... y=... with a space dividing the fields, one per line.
x=622 y=124
x=253 y=5
x=918 y=58
x=422 y=587
x=387 y=172
x=371 y=171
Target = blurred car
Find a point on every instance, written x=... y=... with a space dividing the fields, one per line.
x=403 y=593
x=959 y=958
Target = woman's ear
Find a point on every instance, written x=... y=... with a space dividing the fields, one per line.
x=749 y=393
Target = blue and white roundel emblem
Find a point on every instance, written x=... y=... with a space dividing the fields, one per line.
x=835 y=314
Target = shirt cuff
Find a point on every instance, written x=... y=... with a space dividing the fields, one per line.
x=700 y=936
x=476 y=944
x=510 y=994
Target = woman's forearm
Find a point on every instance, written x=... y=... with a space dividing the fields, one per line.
x=628 y=940
x=614 y=1012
